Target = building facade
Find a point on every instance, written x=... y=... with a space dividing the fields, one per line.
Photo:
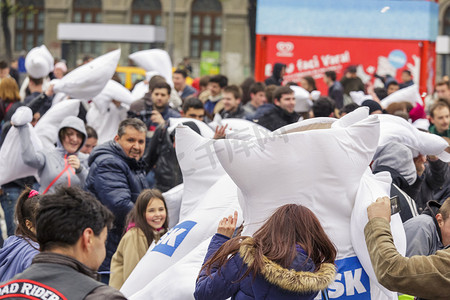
x=198 y=25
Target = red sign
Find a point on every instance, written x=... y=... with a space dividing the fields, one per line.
x=312 y=56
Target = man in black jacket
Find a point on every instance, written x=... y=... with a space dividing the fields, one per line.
x=71 y=228
x=117 y=177
x=283 y=113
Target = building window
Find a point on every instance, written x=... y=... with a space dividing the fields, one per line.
x=146 y=12
x=446 y=28
x=206 y=26
x=88 y=11
x=29 y=24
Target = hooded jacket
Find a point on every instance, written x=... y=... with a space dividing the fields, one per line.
x=116 y=180
x=423 y=234
x=276 y=78
x=274 y=282
x=397 y=159
x=16 y=255
x=53 y=162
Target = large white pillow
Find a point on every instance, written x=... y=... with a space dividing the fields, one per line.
x=199 y=165
x=87 y=81
x=39 y=62
x=370 y=188
x=303 y=101
x=221 y=200
x=47 y=127
x=396 y=129
x=320 y=169
x=112 y=91
x=107 y=123
x=408 y=94
x=154 y=60
x=239 y=128
x=173 y=199
x=12 y=166
x=205 y=131
x=185 y=271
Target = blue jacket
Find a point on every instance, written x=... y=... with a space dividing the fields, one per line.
x=15 y=256
x=274 y=282
x=116 y=180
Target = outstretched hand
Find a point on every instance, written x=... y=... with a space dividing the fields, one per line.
x=228 y=225
x=220 y=132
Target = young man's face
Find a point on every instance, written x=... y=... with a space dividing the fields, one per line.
x=441 y=118
x=230 y=103
x=178 y=81
x=160 y=98
x=258 y=99
x=214 y=88
x=4 y=72
x=392 y=88
x=443 y=92
x=405 y=77
x=286 y=102
x=195 y=113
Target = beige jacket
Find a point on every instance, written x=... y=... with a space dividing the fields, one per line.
x=131 y=249
x=422 y=276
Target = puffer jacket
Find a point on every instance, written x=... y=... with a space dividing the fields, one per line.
x=50 y=163
x=274 y=282
x=116 y=180
x=16 y=255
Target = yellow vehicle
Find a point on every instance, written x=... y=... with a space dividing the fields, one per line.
x=130 y=75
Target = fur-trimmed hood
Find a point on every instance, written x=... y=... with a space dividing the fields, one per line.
x=290 y=279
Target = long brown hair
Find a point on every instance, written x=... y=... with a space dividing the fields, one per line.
x=9 y=90
x=289 y=226
x=137 y=214
x=26 y=209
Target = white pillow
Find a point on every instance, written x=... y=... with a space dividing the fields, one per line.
x=396 y=129
x=47 y=127
x=320 y=169
x=205 y=131
x=106 y=123
x=220 y=201
x=303 y=102
x=185 y=271
x=370 y=188
x=154 y=60
x=358 y=97
x=139 y=90
x=408 y=94
x=173 y=199
x=239 y=128
x=39 y=62
x=87 y=81
x=11 y=162
x=112 y=91
x=22 y=116
x=199 y=166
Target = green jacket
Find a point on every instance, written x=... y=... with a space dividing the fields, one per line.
x=422 y=276
x=433 y=130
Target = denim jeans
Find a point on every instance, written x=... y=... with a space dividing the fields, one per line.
x=8 y=201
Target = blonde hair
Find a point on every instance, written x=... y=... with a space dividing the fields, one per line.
x=9 y=90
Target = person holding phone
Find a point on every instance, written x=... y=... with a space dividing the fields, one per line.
x=422 y=276
x=289 y=257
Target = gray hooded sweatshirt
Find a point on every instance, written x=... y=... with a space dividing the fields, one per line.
x=50 y=163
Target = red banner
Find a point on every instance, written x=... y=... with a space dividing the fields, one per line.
x=312 y=56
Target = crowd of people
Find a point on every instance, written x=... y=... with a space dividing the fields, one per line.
x=100 y=207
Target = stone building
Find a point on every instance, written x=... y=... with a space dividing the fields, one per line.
x=198 y=25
